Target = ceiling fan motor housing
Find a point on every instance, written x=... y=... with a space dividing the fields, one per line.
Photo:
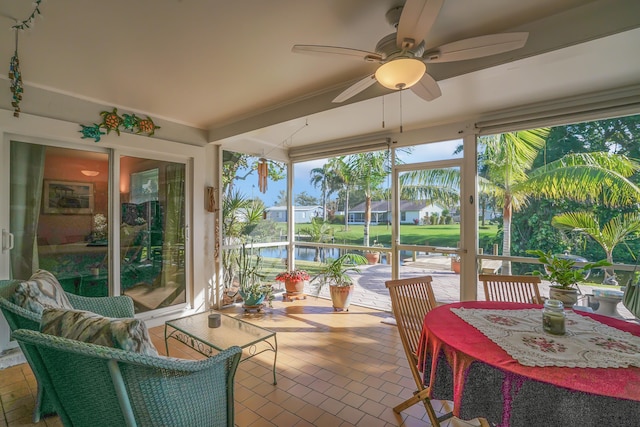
x=388 y=48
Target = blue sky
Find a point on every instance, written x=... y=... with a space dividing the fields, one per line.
x=420 y=153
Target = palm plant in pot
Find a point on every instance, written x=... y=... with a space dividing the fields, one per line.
x=564 y=275
x=249 y=276
x=340 y=283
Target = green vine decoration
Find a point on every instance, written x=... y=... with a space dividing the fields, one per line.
x=16 y=84
x=29 y=21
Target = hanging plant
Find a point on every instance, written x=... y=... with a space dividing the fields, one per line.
x=16 y=83
x=14 y=66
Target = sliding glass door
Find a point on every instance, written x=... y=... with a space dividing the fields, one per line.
x=61 y=219
x=152 y=232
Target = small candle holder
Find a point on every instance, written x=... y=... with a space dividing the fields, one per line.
x=553 y=317
x=214 y=320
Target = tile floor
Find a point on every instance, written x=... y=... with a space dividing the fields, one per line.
x=334 y=369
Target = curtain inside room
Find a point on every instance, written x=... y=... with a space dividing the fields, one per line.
x=26 y=177
x=174 y=219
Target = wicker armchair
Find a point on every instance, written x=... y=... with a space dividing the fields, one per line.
x=20 y=318
x=92 y=385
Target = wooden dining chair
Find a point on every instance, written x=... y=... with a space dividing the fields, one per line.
x=411 y=300
x=511 y=288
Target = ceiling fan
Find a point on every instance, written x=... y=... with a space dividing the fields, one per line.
x=402 y=54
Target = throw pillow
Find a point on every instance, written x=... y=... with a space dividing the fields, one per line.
x=126 y=334
x=41 y=291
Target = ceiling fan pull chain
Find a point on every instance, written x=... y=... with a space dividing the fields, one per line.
x=400 y=110
x=382 y=111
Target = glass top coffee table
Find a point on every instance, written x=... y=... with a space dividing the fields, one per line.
x=194 y=331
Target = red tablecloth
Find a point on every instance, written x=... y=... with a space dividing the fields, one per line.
x=450 y=344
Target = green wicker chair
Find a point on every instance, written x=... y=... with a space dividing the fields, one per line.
x=92 y=385
x=20 y=318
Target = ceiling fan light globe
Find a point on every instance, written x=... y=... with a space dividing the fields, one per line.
x=400 y=73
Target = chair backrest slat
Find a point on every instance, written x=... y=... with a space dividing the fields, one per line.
x=411 y=300
x=512 y=288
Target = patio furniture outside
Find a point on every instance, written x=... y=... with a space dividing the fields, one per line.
x=499 y=287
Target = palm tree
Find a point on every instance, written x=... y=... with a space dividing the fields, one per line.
x=368 y=171
x=328 y=181
x=583 y=177
x=618 y=230
x=343 y=179
x=319 y=232
x=433 y=186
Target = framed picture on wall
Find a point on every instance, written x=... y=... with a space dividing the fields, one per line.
x=67 y=197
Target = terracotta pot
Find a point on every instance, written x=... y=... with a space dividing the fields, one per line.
x=455 y=266
x=372 y=257
x=341 y=297
x=569 y=297
x=295 y=286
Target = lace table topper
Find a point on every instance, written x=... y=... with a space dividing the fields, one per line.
x=587 y=343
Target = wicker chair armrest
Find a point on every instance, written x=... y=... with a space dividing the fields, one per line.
x=118 y=306
x=94 y=350
x=19 y=317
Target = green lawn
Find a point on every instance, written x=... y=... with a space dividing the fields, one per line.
x=433 y=235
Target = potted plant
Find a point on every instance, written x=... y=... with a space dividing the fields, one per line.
x=340 y=283
x=373 y=255
x=563 y=274
x=249 y=276
x=455 y=263
x=294 y=283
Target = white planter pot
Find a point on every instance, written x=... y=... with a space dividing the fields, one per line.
x=569 y=297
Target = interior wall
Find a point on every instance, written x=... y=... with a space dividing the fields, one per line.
x=55 y=229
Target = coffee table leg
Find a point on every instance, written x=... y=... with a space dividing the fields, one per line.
x=275 y=355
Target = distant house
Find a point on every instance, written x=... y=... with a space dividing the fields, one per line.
x=302 y=214
x=410 y=212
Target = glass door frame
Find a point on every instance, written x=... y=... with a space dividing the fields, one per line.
x=468 y=214
x=115 y=261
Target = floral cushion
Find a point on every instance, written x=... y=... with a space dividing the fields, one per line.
x=126 y=334
x=41 y=291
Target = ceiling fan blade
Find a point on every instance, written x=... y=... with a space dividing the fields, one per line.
x=356 y=88
x=334 y=50
x=427 y=88
x=476 y=47
x=416 y=20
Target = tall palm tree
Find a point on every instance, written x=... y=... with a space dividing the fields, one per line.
x=343 y=178
x=583 y=177
x=618 y=230
x=328 y=181
x=368 y=171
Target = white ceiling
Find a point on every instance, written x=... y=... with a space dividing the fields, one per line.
x=227 y=67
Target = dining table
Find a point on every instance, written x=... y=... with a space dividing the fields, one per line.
x=495 y=361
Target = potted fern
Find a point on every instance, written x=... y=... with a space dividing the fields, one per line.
x=340 y=283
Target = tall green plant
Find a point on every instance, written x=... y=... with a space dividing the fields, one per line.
x=249 y=275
